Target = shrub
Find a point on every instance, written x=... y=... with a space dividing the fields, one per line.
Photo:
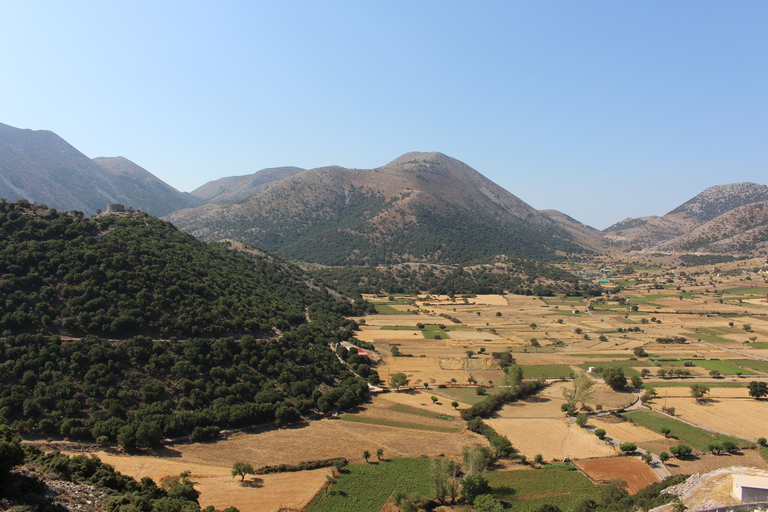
x=600 y=433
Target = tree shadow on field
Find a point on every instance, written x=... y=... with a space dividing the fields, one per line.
x=167 y=452
x=254 y=482
x=536 y=400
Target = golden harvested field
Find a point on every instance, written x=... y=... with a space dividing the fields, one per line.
x=743 y=417
x=551 y=437
x=624 y=430
x=217 y=487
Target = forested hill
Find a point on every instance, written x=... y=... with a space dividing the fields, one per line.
x=119 y=276
x=142 y=283
x=501 y=275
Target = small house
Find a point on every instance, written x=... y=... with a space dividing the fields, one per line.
x=750 y=489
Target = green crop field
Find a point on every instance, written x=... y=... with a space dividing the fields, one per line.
x=754 y=291
x=755 y=364
x=706 y=337
x=465 y=395
x=419 y=411
x=694 y=437
x=528 y=490
x=760 y=344
x=397 y=424
x=726 y=366
x=716 y=330
x=363 y=487
x=546 y=371
x=386 y=309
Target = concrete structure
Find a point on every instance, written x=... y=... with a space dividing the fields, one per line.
x=115 y=208
x=750 y=489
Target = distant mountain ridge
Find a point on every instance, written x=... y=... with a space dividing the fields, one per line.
x=233 y=189
x=40 y=166
x=419 y=206
x=714 y=202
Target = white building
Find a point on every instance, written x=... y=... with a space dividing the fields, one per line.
x=750 y=489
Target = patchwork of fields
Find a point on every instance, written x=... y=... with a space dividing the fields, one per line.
x=445 y=347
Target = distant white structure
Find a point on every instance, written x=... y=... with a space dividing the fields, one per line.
x=750 y=489
x=591 y=369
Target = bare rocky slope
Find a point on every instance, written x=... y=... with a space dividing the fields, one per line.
x=742 y=231
x=233 y=189
x=649 y=232
x=41 y=167
x=419 y=206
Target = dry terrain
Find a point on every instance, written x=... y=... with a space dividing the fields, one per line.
x=632 y=470
x=727 y=410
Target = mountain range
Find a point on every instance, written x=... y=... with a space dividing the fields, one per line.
x=41 y=167
x=419 y=207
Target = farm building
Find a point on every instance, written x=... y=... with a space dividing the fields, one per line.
x=750 y=489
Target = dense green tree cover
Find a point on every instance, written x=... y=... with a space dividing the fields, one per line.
x=138 y=280
x=513 y=275
x=136 y=392
x=122 y=276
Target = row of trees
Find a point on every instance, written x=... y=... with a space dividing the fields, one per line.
x=514 y=275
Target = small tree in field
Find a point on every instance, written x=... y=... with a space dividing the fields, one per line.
x=455 y=405
x=600 y=433
x=241 y=469
x=758 y=389
x=581 y=419
x=379 y=454
x=397 y=380
x=698 y=391
x=664 y=456
x=434 y=399
x=665 y=430
x=627 y=448
x=366 y=455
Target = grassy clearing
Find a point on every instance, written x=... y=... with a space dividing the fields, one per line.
x=726 y=367
x=716 y=331
x=707 y=337
x=754 y=291
x=386 y=309
x=529 y=490
x=368 y=486
x=760 y=344
x=465 y=395
x=760 y=366
x=694 y=437
x=397 y=424
x=420 y=412
x=547 y=371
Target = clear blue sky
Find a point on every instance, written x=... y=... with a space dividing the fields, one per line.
x=602 y=110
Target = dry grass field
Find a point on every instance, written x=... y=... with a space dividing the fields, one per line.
x=727 y=410
x=218 y=488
